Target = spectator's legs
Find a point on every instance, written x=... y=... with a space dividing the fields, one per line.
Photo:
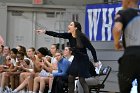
x=50 y=83
x=23 y=76
x=16 y=81
x=22 y=85
x=12 y=82
x=31 y=82
x=3 y=80
x=36 y=84
x=43 y=82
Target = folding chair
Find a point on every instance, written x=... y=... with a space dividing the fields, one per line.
x=104 y=71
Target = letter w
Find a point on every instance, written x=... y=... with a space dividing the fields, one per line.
x=93 y=18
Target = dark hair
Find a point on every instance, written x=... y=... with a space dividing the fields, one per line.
x=27 y=61
x=14 y=50
x=43 y=50
x=78 y=26
x=70 y=49
x=2 y=47
x=20 y=54
x=79 y=34
x=22 y=49
x=56 y=45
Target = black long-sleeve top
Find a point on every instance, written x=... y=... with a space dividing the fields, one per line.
x=72 y=42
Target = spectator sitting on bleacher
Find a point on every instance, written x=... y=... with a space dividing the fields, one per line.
x=43 y=78
x=31 y=55
x=61 y=75
x=28 y=82
x=53 y=49
x=12 y=68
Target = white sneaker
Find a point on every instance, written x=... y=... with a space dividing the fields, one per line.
x=22 y=91
x=49 y=91
x=14 y=92
x=8 y=90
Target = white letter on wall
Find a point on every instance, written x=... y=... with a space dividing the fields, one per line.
x=93 y=17
x=105 y=25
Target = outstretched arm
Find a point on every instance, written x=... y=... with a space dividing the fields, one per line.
x=55 y=34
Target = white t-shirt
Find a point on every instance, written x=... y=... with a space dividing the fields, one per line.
x=54 y=63
x=14 y=62
x=70 y=58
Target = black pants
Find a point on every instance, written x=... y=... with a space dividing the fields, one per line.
x=129 y=69
x=59 y=83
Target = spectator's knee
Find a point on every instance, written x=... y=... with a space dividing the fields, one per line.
x=36 y=78
x=42 y=79
x=22 y=75
x=4 y=74
x=32 y=75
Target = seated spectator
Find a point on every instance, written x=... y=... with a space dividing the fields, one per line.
x=5 y=66
x=5 y=75
x=61 y=75
x=28 y=82
x=53 y=49
x=31 y=55
x=22 y=49
x=43 y=78
x=52 y=67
